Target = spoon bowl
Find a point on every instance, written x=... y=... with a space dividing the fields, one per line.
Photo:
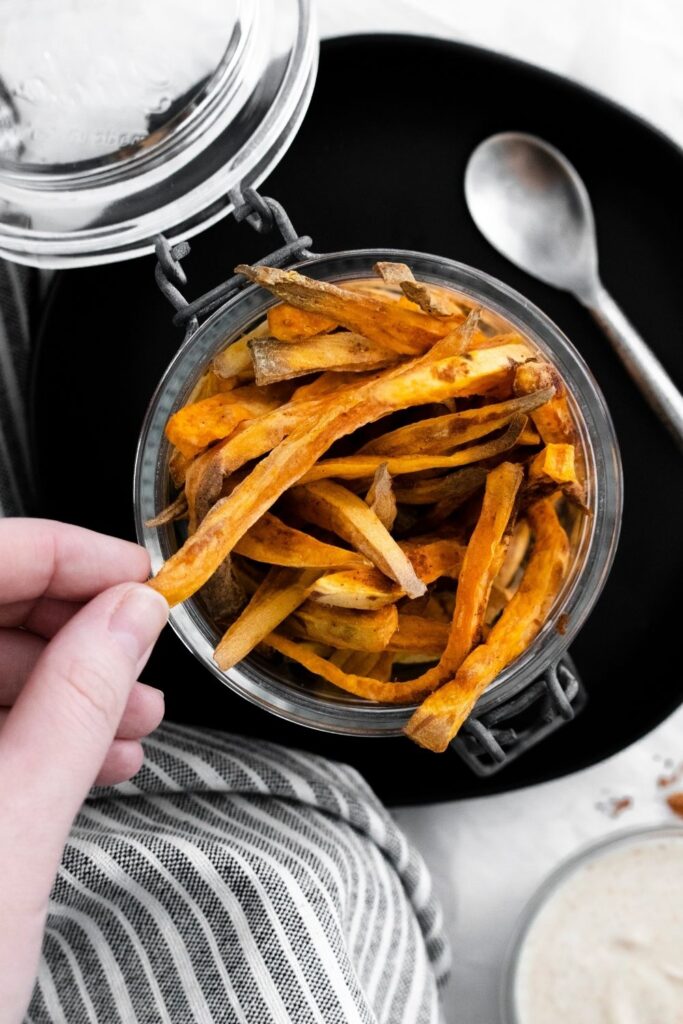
x=531 y=205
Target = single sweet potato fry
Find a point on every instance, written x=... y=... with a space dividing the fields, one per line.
x=380 y=497
x=455 y=488
x=483 y=558
x=553 y=419
x=554 y=464
x=436 y=301
x=201 y=423
x=366 y=587
x=443 y=433
x=340 y=352
x=354 y=466
x=280 y=593
x=345 y=627
x=287 y=323
x=337 y=509
x=361 y=686
x=439 y=718
x=272 y=541
x=418 y=633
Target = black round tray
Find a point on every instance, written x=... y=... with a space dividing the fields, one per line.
x=380 y=161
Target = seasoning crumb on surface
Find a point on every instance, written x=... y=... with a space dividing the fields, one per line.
x=675 y=802
x=615 y=806
x=562 y=624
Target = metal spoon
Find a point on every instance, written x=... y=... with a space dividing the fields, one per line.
x=531 y=205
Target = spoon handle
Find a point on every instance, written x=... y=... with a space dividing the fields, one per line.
x=642 y=364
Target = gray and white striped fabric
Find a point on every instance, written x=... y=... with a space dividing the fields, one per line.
x=231 y=880
x=238 y=881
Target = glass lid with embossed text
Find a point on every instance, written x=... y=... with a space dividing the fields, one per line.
x=121 y=119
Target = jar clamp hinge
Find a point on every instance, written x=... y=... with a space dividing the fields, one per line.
x=491 y=740
x=263 y=214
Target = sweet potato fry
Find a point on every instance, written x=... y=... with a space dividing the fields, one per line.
x=343 y=351
x=223 y=595
x=175 y=510
x=178 y=465
x=335 y=508
x=231 y=517
x=553 y=419
x=345 y=627
x=520 y=540
x=386 y=323
x=354 y=466
x=287 y=323
x=380 y=497
x=455 y=488
x=272 y=541
x=281 y=592
x=361 y=686
x=364 y=589
x=554 y=464
x=367 y=587
x=442 y=433
x=435 y=301
x=195 y=426
x=418 y=633
x=483 y=558
x=437 y=721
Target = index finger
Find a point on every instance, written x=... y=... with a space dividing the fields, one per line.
x=43 y=557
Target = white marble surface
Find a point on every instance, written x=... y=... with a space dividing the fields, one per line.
x=488 y=855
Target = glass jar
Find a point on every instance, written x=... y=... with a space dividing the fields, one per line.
x=316 y=704
x=622 y=840
x=120 y=120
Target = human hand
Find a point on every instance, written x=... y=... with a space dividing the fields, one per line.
x=76 y=628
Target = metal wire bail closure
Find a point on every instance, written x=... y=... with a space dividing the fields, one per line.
x=264 y=215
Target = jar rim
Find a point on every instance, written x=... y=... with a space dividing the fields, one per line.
x=598 y=438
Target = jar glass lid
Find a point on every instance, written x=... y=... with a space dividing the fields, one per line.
x=121 y=119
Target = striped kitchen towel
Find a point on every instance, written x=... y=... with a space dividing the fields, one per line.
x=236 y=881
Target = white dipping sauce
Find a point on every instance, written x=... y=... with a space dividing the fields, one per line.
x=607 y=947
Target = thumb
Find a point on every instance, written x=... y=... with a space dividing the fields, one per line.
x=63 y=723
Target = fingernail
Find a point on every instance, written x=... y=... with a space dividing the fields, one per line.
x=138 y=619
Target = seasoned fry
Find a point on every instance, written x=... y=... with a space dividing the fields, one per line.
x=430 y=300
x=416 y=633
x=335 y=508
x=455 y=487
x=287 y=323
x=223 y=595
x=281 y=592
x=439 y=718
x=343 y=351
x=231 y=517
x=195 y=426
x=354 y=466
x=345 y=627
x=272 y=541
x=388 y=324
x=520 y=540
x=361 y=686
x=457 y=603
x=555 y=464
x=553 y=419
x=368 y=588
x=175 y=510
x=380 y=497
x=482 y=561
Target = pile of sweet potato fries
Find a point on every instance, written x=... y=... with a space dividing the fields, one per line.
x=403 y=557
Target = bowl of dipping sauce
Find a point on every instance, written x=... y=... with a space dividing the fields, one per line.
x=601 y=942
